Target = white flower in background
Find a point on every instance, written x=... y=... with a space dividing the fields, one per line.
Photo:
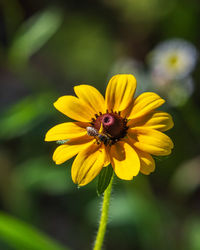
x=171 y=63
x=173 y=59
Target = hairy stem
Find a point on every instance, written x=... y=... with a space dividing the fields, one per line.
x=104 y=217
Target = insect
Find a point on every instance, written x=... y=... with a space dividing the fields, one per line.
x=62 y=141
x=100 y=137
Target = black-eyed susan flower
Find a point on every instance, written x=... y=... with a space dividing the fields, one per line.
x=120 y=129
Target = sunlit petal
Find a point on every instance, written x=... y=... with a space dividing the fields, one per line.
x=91 y=97
x=144 y=104
x=70 y=149
x=66 y=130
x=74 y=108
x=159 y=120
x=147 y=163
x=120 y=91
x=150 y=141
x=124 y=160
x=88 y=164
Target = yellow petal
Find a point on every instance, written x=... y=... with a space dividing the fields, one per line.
x=66 y=130
x=91 y=97
x=124 y=160
x=107 y=156
x=88 y=164
x=126 y=112
x=120 y=91
x=159 y=120
x=74 y=108
x=147 y=163
x=144 y=104
x=151 y=141
x=70 y=149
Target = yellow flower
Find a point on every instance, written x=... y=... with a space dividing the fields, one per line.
x=120 y=130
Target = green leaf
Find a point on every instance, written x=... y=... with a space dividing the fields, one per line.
x=33 y=34
x=104 y=179
x=21 y=235
x=24 y=115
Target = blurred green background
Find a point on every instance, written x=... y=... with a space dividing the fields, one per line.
x=47 y=47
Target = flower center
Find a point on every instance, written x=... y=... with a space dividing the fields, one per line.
x=173 y=61
x=108 y=120
x=111 y=125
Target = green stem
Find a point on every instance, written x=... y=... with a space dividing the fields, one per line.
x=104 y=217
